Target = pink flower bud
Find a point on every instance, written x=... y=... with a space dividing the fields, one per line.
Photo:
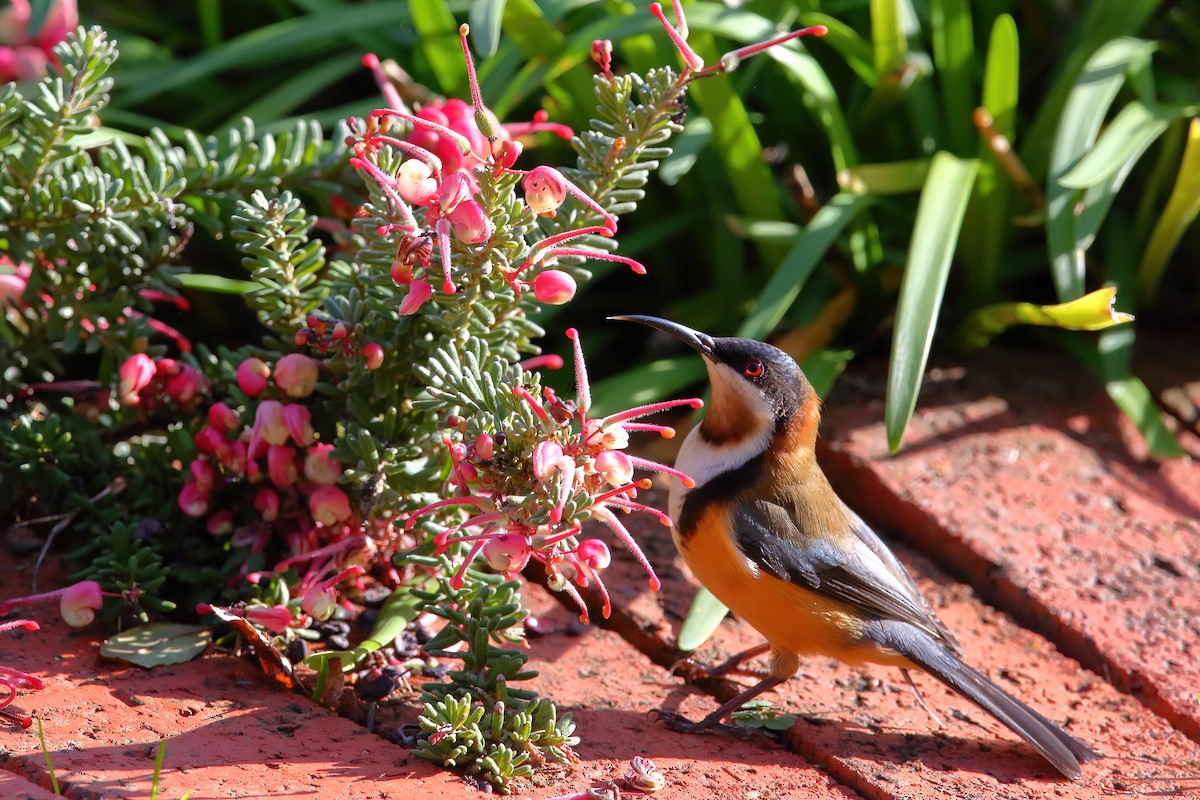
x=80 y=602
x=269 y=425
x=554 y=287
x=252 y=376
x=266 y=503
x=402 y=273
x=61 y=19
x=419 y=291
x=234 y=457
x=203 y=474
x=594 y=553
x=615 y=466
x=298 y=420
x=484 y=447
x=319 y=467
x=276 y=618
x=136 y=374
x=329 y=505
x=186 y=385
x=373 y=355
x=506 y=153
x=545 y=190
x=319 y=601
x=296 y=375
x=546 y=455
x=455 y=189
x=507 y=553
x=193 y=500
x=210 y=440
x=220 y=523
x=415 y=182
x=281 y=465
x=223 y=418
x=471 y=223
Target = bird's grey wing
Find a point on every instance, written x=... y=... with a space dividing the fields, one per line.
x=855 y=573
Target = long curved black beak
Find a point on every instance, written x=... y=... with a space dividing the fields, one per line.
x=702 y=343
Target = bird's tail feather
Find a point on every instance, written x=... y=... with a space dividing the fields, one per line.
x=1060 y=748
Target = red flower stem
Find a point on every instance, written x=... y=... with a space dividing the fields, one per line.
x=583 y=390
x=654 y=465
x=386 y=88
x=600 y=256
x=614 y=524
x=647 y=410
x=442 y=228
x=385 y=183
x=464 y=144
x=449 y=501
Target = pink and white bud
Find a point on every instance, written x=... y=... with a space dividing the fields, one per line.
x=203 y=474
x=329 y=505
x=270 y=424
x=402 y=273
x=455 y=189
x=220 y=523
x=276 y=618
x=373 y=355
x=186 y=385
x=266 y=503
x=615 y=466
x=223 y=418
x=80 y=602
x=611 y=437
x=554 y=287
x=545 y=190
x=193 y=500
x=507 y=553
x=296 y=374
x=546 y=457
x=415 y=182
x=281 y=465
x=136 y=374
x=594 y=553
x=252 y=376
x=485 y=447
x=319 y=467
x=319 y=601
x=298 y=420
x=471 y=223
x=419 y=292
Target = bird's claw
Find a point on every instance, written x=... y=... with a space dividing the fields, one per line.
x=681 y=724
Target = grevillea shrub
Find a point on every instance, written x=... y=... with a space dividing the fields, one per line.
x=390 y=435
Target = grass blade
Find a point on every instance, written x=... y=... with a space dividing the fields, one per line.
x=438 y=30
x=1001 y=76
x=485 y=18
x=953 y=56
x=896 y=177
x=1182 y=207
x=808 y=248
x=1133 y=130
x=1082 y=116
x=939 y=218
x=887 y=36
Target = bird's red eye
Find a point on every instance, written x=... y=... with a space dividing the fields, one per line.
x=753 y=369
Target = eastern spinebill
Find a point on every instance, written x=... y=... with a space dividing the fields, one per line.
x=764 y=531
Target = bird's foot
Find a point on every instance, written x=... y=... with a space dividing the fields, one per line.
x=693 y=669
x=681 y=724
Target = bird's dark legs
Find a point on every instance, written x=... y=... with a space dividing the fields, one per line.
x=678 y=723
x=731 y=664
x=921 y=700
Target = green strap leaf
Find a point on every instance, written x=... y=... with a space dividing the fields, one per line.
x=435 y=24
x=1130 y=133
x=953 y=55
x=485 y=18
x=939 y=218
x=1082 y=116
x=1182 y=207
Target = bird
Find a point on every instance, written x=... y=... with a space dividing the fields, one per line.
x=760 y=526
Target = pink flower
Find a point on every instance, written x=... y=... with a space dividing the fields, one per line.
x=298 y=420
x=136 y=374
x=252 y=376
x=455 y=189
x=223 y=418
x=545 y=190
x=269 y=425
x=186 y=385
x=507 y=553
x=615 y=466
x=80 y=602
x=319 y=467
x=373 y=355
x=276 y=618
x=546 y=457
x=484 y=447
x=296 y=374
x=471 y=223
x=594 y=553
x=220 y=523
x=202 y=474
x=320 y=599
x=554 y=287
x=415 y=183
x=266 y=503
x=329 y=505
x=281 y=465
x=193 y=500
x=458 y=117
x=419 y=292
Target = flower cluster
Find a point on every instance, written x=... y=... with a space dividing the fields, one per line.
x=433 y=192
x=151 y=383
x=529 y=498
x=24 y=57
